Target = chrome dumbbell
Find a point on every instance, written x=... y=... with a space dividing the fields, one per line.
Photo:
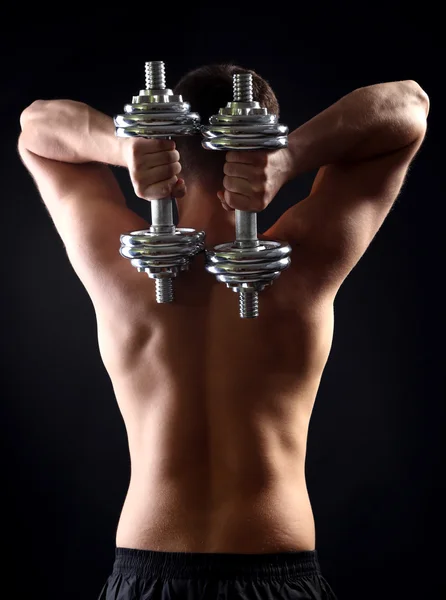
x=163 y=250
x=247 y=265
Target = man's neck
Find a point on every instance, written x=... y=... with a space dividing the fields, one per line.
x=202 y=213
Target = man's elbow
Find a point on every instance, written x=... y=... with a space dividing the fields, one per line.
x=29 y=115
x=420 y=95
x=39 y=125
x=30 y=119
x=417 y=107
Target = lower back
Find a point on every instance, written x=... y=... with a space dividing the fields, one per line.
x=167 y=516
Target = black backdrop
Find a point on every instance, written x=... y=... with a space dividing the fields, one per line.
x=375 y=464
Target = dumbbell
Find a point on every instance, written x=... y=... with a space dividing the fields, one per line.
x=247 y=265
x=162 y=251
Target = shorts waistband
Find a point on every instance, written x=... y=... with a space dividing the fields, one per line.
x=187 y=565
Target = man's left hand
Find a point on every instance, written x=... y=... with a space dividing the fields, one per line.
x=253 y=178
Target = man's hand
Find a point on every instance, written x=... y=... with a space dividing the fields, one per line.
x=153 y=166
x=253 y=178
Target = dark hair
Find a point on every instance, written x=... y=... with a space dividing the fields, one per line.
x=207 y=89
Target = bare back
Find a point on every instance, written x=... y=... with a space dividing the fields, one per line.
x=216 y=407
x=217 y=410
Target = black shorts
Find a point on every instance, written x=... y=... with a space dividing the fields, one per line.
x=149 y=575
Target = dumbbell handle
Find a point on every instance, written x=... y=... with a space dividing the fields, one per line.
x=162 y=211
x=246 y=229
x=162 y=215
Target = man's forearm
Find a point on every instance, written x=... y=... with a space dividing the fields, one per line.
x=368 y=122
x=70 y=131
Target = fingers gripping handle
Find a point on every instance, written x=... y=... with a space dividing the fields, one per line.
x=162 y=211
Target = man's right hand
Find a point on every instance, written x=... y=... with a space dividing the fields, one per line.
x=153 y=166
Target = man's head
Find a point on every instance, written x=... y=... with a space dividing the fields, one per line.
x=207 y=89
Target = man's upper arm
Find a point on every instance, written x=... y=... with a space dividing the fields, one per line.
x=89 y=213
x=332 y=228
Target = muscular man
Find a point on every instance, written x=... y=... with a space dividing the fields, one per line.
x=217 y=408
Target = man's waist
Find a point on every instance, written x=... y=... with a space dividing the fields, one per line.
x=183 y=518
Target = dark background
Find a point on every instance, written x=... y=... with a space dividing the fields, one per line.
x=375 y=468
